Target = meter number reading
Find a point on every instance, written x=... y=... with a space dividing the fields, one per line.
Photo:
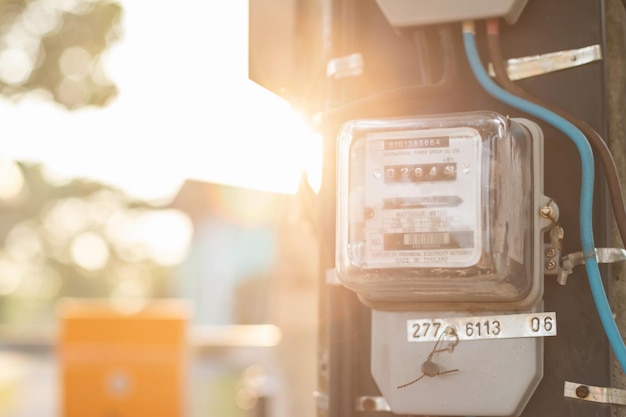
x=476 y=328
x=422 y=172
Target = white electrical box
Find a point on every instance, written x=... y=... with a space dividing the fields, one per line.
x=406 y=13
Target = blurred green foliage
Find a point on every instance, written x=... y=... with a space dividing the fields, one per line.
x=39 y=232
x=55 y=47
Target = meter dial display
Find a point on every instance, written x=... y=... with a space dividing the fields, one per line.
x=421 y=199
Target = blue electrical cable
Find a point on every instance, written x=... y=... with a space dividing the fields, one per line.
x=586 y=191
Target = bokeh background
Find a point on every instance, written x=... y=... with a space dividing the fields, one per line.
x=138 y=162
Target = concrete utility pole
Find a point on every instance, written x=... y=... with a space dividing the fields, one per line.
x=616 y=97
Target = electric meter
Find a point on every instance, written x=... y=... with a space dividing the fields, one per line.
x=441 y=210
x=439 y=231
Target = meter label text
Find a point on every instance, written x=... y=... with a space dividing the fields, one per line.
x=483 y=327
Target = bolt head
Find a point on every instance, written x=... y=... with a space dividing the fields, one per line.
x=368 y=404
x=582 y=391
x=547 y=212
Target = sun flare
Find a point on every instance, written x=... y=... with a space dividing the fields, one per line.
x=186 y=110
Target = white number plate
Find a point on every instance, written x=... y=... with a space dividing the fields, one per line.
x=482 y=327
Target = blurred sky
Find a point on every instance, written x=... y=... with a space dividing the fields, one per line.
x=185 y=110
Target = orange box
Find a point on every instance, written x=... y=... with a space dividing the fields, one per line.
x=117 y=363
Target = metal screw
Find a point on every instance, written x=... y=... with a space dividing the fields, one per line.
x=550 y=252
x=550 y=265
x=547 y=212
x=369 y=213
x=582 y=391
x=368 y=404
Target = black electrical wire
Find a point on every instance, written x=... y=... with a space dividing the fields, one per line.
x=420 y=90
x=595 y=140
x=424 y=69
x=448 y=68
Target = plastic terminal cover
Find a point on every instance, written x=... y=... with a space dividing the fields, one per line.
x=439 y=210
x=406 y=13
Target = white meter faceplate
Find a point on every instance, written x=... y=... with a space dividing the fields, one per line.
x=422 y=199
x=441 y=210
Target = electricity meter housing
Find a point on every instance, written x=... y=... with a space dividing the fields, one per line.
x=441 y=212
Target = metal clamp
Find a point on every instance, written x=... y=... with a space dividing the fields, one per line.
x=531 y=66
x=345 y=66
x=603 y=255
x=596 y=394
x=321 y=400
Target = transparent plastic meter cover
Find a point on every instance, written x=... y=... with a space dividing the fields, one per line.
x=437 y=209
